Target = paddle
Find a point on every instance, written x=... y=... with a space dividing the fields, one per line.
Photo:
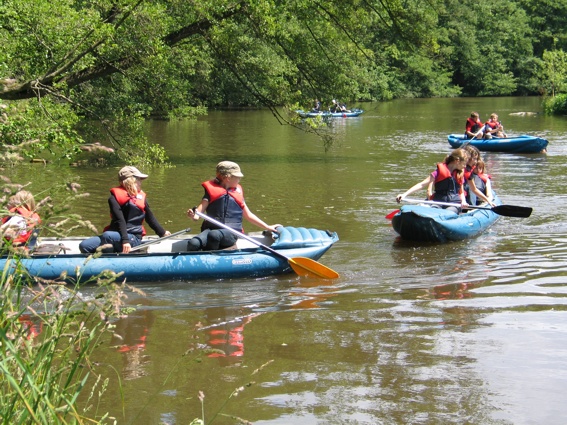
x=301 y=265
x=392 y=214
x=151 y=242
x=505 y=210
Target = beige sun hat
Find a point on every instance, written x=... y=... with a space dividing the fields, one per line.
x=229 y=168
x=130 y=171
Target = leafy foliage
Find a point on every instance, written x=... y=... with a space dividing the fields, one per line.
x=112 y=62
x=556 y=105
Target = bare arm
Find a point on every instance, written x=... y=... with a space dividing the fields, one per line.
x=478 y=193
x=255 y=220
x=202 y=207
x=415 y=188
x=489 y=193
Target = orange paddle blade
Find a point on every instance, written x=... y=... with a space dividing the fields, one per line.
x=307 y=267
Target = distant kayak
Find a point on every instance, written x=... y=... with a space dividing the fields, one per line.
x=519 y=144
x=325 y=114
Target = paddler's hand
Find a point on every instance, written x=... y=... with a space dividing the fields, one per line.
x=399 y=198
x=273 y=228
x=191 y=213
x=167 y=233
x=126 y=247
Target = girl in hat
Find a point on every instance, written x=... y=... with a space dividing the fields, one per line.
x=129 y=209
x=223 y=201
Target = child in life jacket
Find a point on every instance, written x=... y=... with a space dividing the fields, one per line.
x=474 y=128
x=17 y=227
x=129 y=210
x=447 y=181
x=224 y=201
x=481 y=182
x=493 y=128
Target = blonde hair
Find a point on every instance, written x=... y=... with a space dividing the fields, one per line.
x=23 y=198
x=130 y=185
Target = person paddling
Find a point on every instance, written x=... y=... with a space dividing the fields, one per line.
x=224 y=201
x=448 y=180
x=474 y=127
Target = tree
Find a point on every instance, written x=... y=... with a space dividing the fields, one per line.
x=554 y=72
x=105 y=59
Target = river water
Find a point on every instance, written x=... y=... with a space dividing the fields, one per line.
x=473 y=332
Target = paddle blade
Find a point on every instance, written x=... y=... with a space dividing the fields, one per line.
x=512 y=211
x=392 y=214
x=307 y=267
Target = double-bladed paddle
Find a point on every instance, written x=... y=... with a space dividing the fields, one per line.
x=505 y=210
x=151 y=242
x=301 y=265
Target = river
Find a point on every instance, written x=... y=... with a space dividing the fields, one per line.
x=473 y=332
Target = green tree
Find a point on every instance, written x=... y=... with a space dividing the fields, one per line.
x=105 y=59
x=554 y=71
x=488 y=43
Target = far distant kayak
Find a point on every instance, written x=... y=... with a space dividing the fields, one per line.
x=518 y=144
x=327 y=114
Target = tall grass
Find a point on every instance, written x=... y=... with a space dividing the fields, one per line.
x=48 y=331
x=47 y=336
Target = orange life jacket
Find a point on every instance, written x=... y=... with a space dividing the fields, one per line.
x=133 y=208
x=225 y=205
x=448 y=186
x=32 y=219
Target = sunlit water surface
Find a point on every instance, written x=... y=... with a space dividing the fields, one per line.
x=471 y=332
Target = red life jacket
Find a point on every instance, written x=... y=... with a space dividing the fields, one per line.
x=225 y=205
x=483 y=177
x=448 y=186
x=492 y=124
x=472 y=125
x=133 y=209
x=467 y=174
x=32 y=219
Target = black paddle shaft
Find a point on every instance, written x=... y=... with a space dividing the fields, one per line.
x=505 y=210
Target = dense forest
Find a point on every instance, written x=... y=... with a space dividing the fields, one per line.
x=84 y=74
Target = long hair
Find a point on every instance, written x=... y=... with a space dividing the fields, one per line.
x=130 y=185
x=457 y=155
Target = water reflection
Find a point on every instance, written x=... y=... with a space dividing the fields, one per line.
x=466 y=332
x=130 y=337
x=224 y=328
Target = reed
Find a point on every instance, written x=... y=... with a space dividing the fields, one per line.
x=47 y=335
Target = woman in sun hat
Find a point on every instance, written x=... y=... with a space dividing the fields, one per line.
x=223 y=201
x=129 y=209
